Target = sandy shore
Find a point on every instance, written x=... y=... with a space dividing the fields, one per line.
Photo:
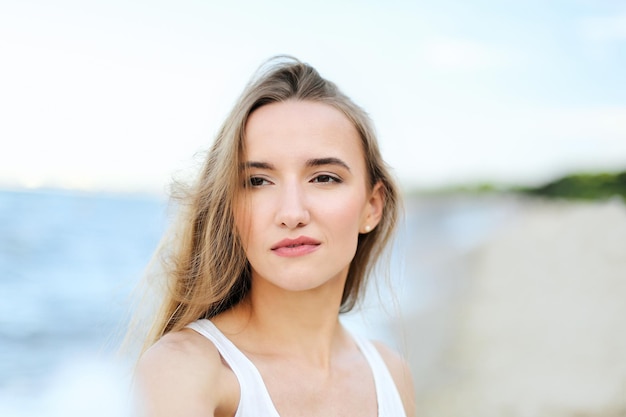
x=533 y=320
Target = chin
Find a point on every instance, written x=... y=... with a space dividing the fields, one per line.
x=304 y=283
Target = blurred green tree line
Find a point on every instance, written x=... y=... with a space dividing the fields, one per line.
x=582 y=186
x=575 y=186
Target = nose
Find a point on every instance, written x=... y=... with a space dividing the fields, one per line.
x=292 y=211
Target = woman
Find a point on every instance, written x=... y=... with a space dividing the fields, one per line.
x=291 y=211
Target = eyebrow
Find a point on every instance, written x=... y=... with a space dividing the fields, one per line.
x=326 y=161
x=315 y=162
x=258 y=165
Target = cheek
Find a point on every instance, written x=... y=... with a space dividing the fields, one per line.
x=242 y=222
x=345 y=217
x=251 y=220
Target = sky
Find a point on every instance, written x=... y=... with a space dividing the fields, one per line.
x=126 y=95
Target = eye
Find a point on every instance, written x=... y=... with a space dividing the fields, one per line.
x=325 y=178
x=256 y=182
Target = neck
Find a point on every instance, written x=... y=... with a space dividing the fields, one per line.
x=302 y=324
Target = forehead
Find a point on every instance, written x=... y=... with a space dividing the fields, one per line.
x=301 y=129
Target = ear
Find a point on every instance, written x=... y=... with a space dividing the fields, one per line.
x=373 y=210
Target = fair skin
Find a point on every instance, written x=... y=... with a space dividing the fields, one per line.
x=303 y=205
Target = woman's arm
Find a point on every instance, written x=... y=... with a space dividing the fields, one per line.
x=183 y=375
x=401 y=374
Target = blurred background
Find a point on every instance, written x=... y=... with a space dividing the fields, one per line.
x=505 y=123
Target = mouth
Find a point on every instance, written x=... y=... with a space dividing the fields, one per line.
x=296 y=247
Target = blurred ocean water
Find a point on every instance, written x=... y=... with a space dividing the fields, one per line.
x=68 y=263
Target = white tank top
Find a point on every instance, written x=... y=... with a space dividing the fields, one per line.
x=255 y=399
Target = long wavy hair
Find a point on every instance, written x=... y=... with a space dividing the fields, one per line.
x=205 y=265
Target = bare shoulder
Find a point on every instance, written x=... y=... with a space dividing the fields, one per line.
x=183 y=374
x=401 y=374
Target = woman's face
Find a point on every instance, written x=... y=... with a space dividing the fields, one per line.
x=304 y=197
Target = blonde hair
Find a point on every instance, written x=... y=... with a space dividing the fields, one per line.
x=207 y=270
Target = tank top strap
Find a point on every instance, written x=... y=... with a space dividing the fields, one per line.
x=389 y=401
x=254 y=397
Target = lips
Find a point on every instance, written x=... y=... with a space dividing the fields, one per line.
x=295 y=247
